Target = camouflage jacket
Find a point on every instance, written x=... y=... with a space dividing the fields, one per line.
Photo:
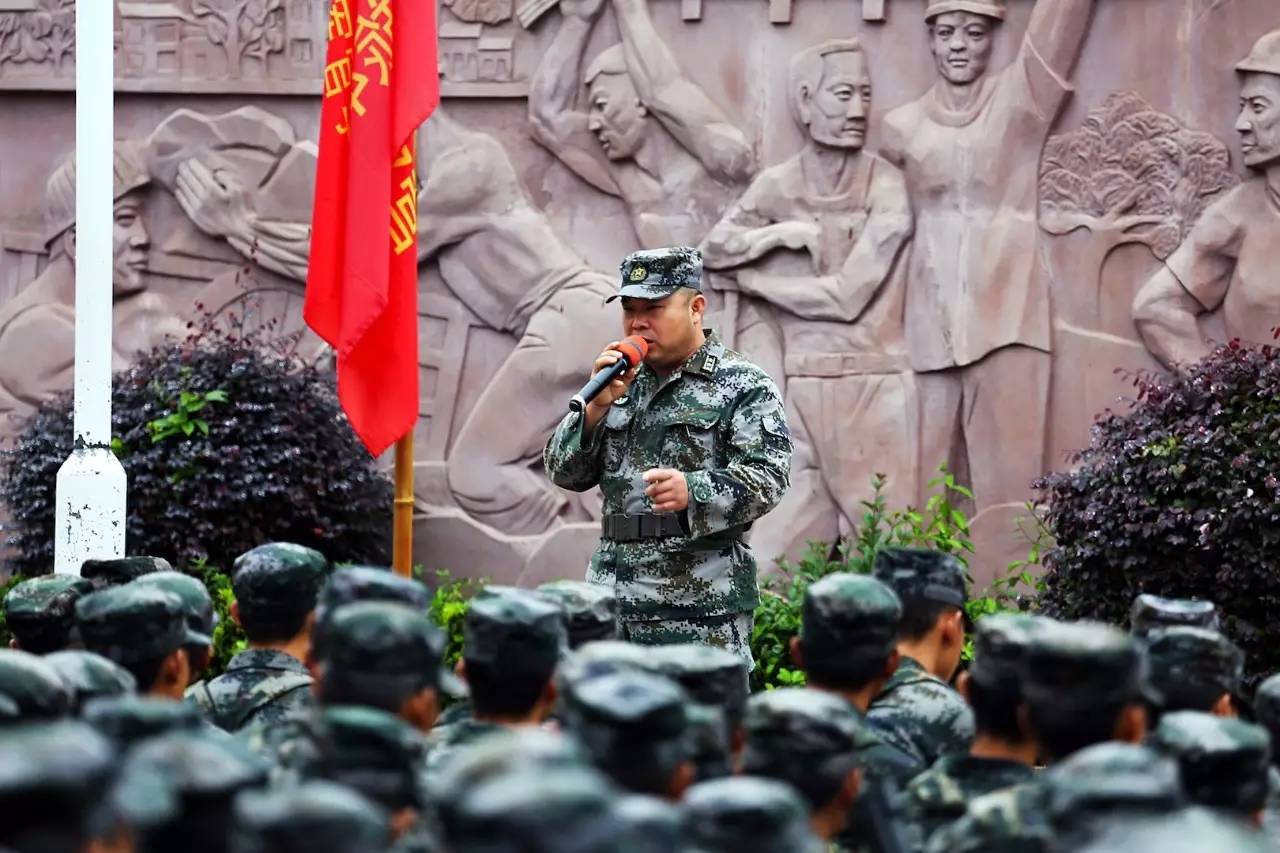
x=921 y=715
x=941 y=794
x=720 y=420
x=1011 y=820
x=259 y=686
x=1271 y=812
x=886 y=769
x=444 y=742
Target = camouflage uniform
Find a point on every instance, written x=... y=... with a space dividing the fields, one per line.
x=590 y=610
x=746 y=814
x=716 y=681
x=1223 y=763
x=940 y=795
x=128 y=720
x=132 y=625
x=116 y=572
x=88 y=676
x=315 y=817
x=1266 y=707
x=41 y=612
x=1191 y=669
x=1152 y=611
x=264 y=685
x=369 y=583
x=686 y=577
x=32 y=686
x=916 y=711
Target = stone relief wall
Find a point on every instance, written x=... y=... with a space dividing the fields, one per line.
x=939 y=260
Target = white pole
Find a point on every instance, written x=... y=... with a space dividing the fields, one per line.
x=91 y=483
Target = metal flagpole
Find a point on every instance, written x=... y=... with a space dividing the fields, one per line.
x=402 y=538
x=90 y=514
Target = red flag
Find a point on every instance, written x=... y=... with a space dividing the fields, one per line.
x=380 y=82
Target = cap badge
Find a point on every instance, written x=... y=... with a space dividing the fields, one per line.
x=639 y=273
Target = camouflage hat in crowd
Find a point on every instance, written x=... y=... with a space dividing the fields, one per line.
x=590 y=610
x=1082 y=664
x=54 y=779
x=633 y=725
x=379 y=649
x=654 y=825
x=129 y=719
x=1094 y=780
x=710 y=742
x=658 y=273
x=314 y=817
x=1223 y=762
x=711 y=676
x=848 y=617
x=281 y=554
x=131 y=623
x=197 y=606
x=350 y=584
x=1152 y=611
x=564 y=810
x=602 y=657
x=33 y=686
x=1192 y=668
x=108 y=573
x=921 y=574
x=1266 y=706
x=40 y=612
x=88 y=676
x=746 y=814
x=1000 y=645
x=513 y=629
x=806 y=738
x=372 y=751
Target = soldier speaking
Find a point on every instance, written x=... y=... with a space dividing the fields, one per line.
x=689 y=448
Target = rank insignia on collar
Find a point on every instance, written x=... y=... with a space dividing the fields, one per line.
x=709 y=364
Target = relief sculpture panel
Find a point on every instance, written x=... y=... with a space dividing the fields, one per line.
x=941 y=225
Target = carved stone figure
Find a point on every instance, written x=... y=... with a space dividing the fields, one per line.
x=1229 y=258
x=817 y=239
x=648 y=133
x=977 y=303
x=37 y=327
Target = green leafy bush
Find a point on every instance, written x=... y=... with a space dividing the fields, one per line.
x=227 y=443
x=1179 y=497
x=228 y=637
x=449 y=597
x=941 y=525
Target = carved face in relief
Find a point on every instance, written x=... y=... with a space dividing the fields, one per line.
x=1259 y=121
x=669 y=325
x=961 y=44
x=130 y=244
x=836 y=111
x=616 y=116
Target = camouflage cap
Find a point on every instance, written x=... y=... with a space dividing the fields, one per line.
x=1266 y=706
x=54 y=778
x=590 y=610
x=1223 y=762
x=806 y=738
x=602 y=657
x=747 y=814
x=921 y=574
x=654 y=825
x=499 y=754
x=131 y=623
x=658 y=273
x=280 y=554
x=1081 y=664
x=41 y=611
x=1000 y=645
x=513 y=629
x=350 y=584
x=314 y=817
x=114 y=572
x=710 y=742
x=33 y=686
x=130 y=719
x=1191 y=668
x=1099 y=778
x=564 y=810
x=372 y=751
x=279 y=582
x=88 y=676
x=849 y=617
x=381 y=648
x=1152 y=611
x=196 y=603
x=190 y=764
x=711 y=676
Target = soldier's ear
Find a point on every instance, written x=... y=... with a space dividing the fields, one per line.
x=460 y=669
x=962 y=686
x=797 y=652
x=681 y=781
x=13 y=644
x=235 y=613
x=1131 y=725
x=1225 y=707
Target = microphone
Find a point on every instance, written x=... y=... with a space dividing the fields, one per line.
x=633 y=350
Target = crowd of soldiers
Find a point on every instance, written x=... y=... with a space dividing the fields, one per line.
x=338 y=729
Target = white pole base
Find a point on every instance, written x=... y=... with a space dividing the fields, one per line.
x=90 y=515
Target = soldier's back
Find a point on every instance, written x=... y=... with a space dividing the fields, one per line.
x=260 y=686
x=921 y=715
x=941 y=794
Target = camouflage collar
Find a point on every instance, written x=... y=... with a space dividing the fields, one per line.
x=705 y=360
x=267 y=659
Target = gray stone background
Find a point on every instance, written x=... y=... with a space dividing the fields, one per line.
x=214 y=57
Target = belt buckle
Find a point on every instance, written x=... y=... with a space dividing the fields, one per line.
x=649 y=527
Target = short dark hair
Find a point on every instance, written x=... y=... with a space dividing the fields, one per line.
x=842 y=671
x=920 y=616
x=995 y=711
x=277 y=623
x=145 y=672
x=497 y=691
x=1061 y=730
x=41 y=636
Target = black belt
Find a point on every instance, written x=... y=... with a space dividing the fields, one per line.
x=621 y=527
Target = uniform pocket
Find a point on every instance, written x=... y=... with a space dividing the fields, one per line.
x=617 y=426
x=689 y=441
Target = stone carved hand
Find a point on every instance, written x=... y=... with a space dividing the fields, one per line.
x=799 y=237
x=586 y=10
x=214 y=199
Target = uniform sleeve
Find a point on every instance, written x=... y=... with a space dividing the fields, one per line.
x=572 y=457
x=758 y=468
x=1206 y=260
